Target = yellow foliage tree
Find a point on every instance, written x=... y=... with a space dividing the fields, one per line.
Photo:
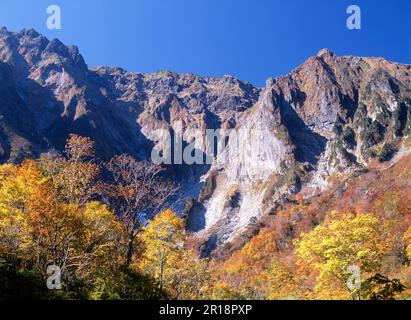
x=331 y=248
x=39 y=228
x=177 y=270
x=15 y=240
x=100 y=240
x=282 y=282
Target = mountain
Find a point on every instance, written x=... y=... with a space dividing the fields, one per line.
x=329 y=117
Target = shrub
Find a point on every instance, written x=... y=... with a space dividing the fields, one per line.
x=387 y=152
x=372 y=132
x=348 y=137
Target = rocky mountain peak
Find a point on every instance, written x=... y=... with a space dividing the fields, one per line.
x=331 y=115
x=324 y=53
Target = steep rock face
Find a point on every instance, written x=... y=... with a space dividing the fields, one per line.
x=258 y=148
x=331 y=115
x=341 y=110
x=55 y=86
x=116 y=108
x=184 y=105
x=161 y=100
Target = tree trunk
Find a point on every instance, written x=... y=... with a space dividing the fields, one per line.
x=161 y=272
x=129 y=250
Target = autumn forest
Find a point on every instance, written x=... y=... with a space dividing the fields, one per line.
x=91 y=219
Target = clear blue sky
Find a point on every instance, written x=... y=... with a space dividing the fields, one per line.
x=250 y=39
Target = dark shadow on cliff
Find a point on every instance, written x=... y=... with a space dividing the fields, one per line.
x=309 y=144
x=196 y=217
x=20 y=135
